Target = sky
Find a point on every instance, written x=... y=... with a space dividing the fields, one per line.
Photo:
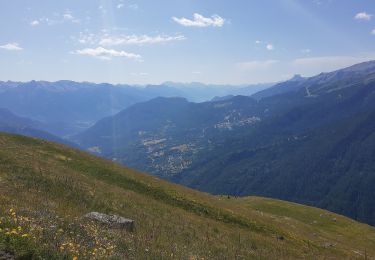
x=209 y=41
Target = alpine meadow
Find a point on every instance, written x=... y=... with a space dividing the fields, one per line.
x=136 y=129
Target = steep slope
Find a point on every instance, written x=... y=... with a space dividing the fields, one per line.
x=318 y=154
x=67 y=107
x=323 y=82
x=7 y=118
x=164 y=135
x=46 y=188
x=11 y=123
x=331 y=167
x=198 y=92
x=294 y=84
x=270 y=147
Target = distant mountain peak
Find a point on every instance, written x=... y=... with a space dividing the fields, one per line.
x=297 y=77
x=364 y=67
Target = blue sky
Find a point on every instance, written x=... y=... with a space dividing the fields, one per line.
x=211 y=41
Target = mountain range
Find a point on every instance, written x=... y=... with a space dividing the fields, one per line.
x=11 y=123
x=66 y=107
x=308 y=140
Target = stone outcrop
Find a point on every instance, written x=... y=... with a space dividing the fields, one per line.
x=112 y=221
x=4 y=255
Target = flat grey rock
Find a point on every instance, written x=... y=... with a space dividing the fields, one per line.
x=112 y=221
x=6 y=255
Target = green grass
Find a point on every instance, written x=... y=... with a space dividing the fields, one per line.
x=45 y=189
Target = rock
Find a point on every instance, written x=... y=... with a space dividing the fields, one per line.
x=328 y=244
x=113 y=221
x=6 y=255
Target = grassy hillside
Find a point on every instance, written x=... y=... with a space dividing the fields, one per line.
x=46 y=188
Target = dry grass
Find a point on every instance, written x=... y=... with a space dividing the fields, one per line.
x=45 y=189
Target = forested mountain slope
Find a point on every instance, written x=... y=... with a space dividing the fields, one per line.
x=46 y=189
x=296 y=145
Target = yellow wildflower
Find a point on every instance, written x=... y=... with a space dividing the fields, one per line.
x=25 y=235
x=75 y=258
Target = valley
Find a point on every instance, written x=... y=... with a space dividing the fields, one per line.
x=46 y=188
x=259 y=145
x=192 y=130
x=271 y=144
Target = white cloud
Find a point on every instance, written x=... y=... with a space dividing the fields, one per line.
x=119 y=6
x=363 y=16
x=200 y=21
x=48 y=21
x=322 y=2
x=139 y=74
x=257 y=65
x=139 y=39
x=306 y=51
x=11 y=47
x=67 y=16
x=270 y=47
x=133 y=6
x=34 y=23
x=373 y=31
x=87 y=38
x=102 y=9
x=107 y=54
x=57 y=18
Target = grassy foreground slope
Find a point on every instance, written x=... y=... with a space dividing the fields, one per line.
x=46 y=188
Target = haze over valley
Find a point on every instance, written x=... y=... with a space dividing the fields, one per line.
x=189 y=130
